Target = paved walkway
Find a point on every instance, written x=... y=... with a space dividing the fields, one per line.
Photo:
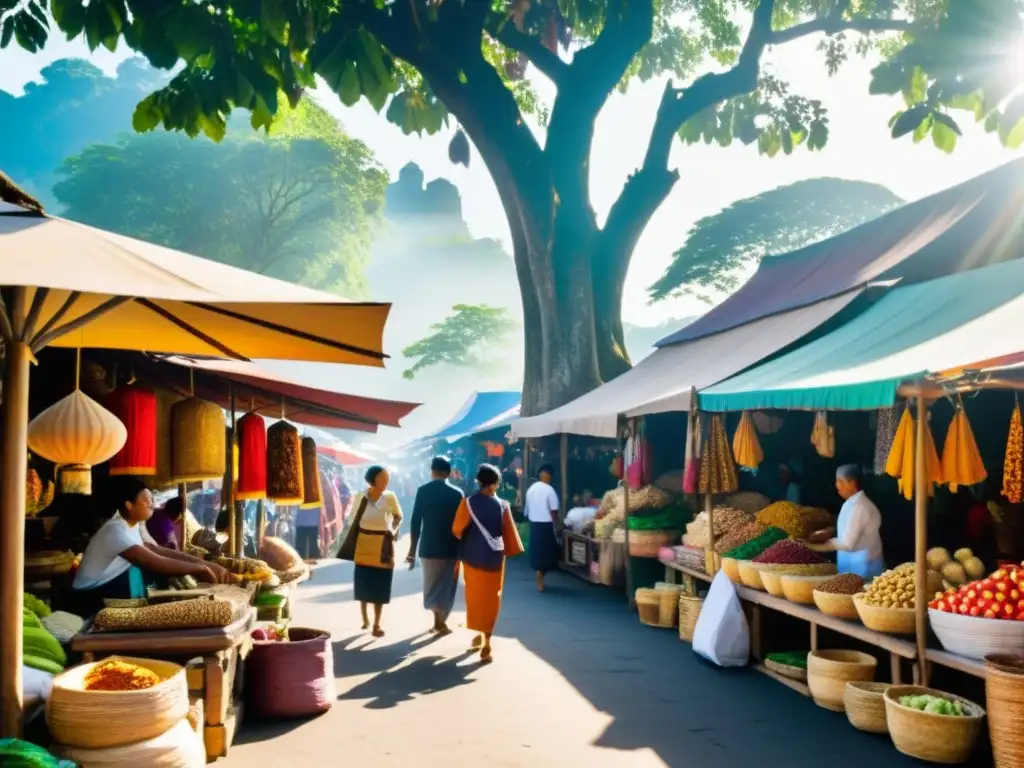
x=576 y=682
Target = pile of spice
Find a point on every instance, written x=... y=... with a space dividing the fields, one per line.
x=115 y=675
x=789 y=553
x=738 y=536
x=727 y=521
x=798 y=522
x=843 y=584
x=757 y=545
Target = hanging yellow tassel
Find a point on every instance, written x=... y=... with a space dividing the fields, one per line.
x=745 y=445
x=901 y=460
x=823 y=437
x=1014 y=460
x=961 y=459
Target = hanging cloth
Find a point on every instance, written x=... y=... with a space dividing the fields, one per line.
x=885 y=434
x=639 y=464
x=717 y=468
x=823 y=437
x=1014 y=460
x=900 y=463
x=961 y=459
x=745 y=445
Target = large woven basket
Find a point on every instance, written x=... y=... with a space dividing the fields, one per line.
x=865 y=706
x=894 y=621
x=828 y=672
x=178 y=747
x=689 y=612
x=668 y=614
x=1004 y=698
x=750 y=574
x=927 y=736
x=840 y=606
x=813 y=569
x=648 y=605
x=99 y=719
x=731 y=566
x=291 y=679
x=647 y=543
x=772 y=582
x=791 y=671
x=800 y=589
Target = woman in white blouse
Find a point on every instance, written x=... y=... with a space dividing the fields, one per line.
x=376 y=525
x=856 y=539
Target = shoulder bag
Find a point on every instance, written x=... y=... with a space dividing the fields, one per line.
x=347 y=550
x=497 y=544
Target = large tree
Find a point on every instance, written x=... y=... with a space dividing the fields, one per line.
x=300 y=204
x=461 y=339
x=720 y=246
x=426 y=59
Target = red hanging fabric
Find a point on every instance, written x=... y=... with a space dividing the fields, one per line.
x=252 y=458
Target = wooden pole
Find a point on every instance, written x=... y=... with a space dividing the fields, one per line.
x=709 y=507
x=261 y=522
x=525 y=477
x=921 y=488
x=565 y=474
x=228 y=488
x=624 y=442
x=12 y=527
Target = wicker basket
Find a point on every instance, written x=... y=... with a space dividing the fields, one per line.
x=178 y=747
x=731 y=566
x=689 y=612
x=894 y=621
x=668 y=614
x=648 y=605
x=292 y=679
x=99 y=719
x=800 y=589
x=647 y=543
x=815 y=569
x=750 y=574
x=840 y=606
x=1004 y=698
x=865 y=706
x=828 y=672
x=936 y=738
x=787 y=670
x=772 y=583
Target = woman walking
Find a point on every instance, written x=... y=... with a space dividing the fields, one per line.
x=370 y=544
x=488 y=534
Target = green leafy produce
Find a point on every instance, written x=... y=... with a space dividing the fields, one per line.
x=790 y=658
x=29 y=619
x=265 y=599
x=37 y=606
x=672 y=518
x=15 y=753
x=936 y=705
x=44 y=665
x=757 y=545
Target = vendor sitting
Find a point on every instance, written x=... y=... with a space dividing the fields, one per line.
x=856 y=540
x=122 y=556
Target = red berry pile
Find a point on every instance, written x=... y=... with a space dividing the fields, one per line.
x=1000 y=596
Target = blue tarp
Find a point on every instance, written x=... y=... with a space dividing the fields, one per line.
x=481 y=408
x=956 y=322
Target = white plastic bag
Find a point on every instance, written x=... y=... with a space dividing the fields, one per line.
x=36 y=684
x=722 y=635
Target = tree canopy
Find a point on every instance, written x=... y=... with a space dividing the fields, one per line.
x=300 y=204
x=720 y=246
x=460 y=339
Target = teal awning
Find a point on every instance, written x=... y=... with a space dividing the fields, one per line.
x=953 y=322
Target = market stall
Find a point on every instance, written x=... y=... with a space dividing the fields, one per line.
x=131 y=296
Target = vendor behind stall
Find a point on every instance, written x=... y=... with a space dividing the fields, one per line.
x=122 y=558
x=856 y=539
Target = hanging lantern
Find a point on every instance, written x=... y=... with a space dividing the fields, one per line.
x=284 y=464
x=75 y=433
x=198 y=441
x=251 y=482
x=312 y=492
x=136 y=408
x=164 y=477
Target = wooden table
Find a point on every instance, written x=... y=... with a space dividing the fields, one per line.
x=213 y=660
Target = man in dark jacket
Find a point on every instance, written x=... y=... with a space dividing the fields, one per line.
x=432 y=517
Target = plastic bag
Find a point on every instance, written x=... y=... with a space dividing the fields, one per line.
x=722 y=635
x=36 y=685
x=64 y=626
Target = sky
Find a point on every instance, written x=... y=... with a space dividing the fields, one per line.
x=711 y=177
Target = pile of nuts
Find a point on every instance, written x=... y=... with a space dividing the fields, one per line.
x=843 y=584
x=893 y=589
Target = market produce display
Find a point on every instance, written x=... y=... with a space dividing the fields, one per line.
x=789 y=658
x=279 y=554
x=117 y=675
x=243 y=569
x=843 y=584
x=745 y=445
x=789 y=553
x=893 y=589
x=1013 y=460
x=946 y=572
x=669 y=519
x=757 y=545
x=1000 y=596
x=936 y=705
x=180 y=614
x=182 y=582
x=798 y=522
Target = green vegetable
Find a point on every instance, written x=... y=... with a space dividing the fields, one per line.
x=935 y=705
x=269 y=599
x=757 y=545
x=29 y=619
x=37 y=606
x=790 y=658
x=15 y=753
x=40 y=643
x=672 y=518
x=44 y=665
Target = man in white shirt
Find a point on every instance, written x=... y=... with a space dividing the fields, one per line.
x=857 y=540
x=540 y=507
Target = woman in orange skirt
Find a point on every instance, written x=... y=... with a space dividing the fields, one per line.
x=488 y=533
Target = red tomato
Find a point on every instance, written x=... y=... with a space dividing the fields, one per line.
x=990 y=613
x=975 y=611
x=1008 y=611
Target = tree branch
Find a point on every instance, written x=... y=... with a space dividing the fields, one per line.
x=548 y=62
x=833 y=24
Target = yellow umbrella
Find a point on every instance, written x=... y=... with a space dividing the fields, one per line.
x=961 y=460
x=66 y=284
x=900 y=463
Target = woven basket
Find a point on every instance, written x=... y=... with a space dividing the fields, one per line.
x=828 y=672
x=100 y=719
x=772 y=583
x=840 y=606
x=731 y=566
x=291 y=679
x=936 y=738
x=895 y=621
x=800 y=589
x=647 y=543
x=689 y=612
x=865 y=706
x=1004 y=698
x=178 y=747
x=668 y=615
x=815 y=569
x=198 y=441
x=787 y=670
x=750 y=574
x=648 y=605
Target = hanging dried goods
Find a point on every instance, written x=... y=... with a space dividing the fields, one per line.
x=961 y=460
x=789 y=553
x=893 y=589
x=312 y=493
x=252 y=458
x=1014 y=459
x=888 y=420
x=198 y=441
x=900 y=463
x=823 y=437
x=745 y=445
x=284 y=464
x=717 y=468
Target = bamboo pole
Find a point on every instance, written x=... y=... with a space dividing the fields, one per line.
x=709 y=507
x=624 y=442
x=524 y=478
x=227 y=494
x=565 y=473
x=12 y=527
x=921 y=539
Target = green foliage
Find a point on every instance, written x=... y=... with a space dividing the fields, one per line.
x=301 y=204
x=719 y=247
x=462 y=338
